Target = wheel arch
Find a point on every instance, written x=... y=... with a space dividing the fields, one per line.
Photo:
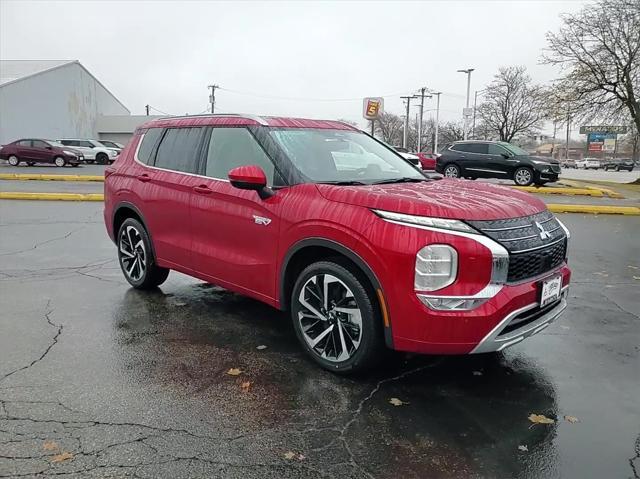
x=310 y=250
x=126 y=210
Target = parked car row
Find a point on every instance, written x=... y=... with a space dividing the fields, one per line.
x=59 y=152
x=610 y=164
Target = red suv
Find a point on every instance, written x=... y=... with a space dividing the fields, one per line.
x=32 y=151
x=322 y=220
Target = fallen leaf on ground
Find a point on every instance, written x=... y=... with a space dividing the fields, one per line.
x=540 y=419
x=234 y=372
x=477 y=373
x=571 y=419
x=261 y=347
x=301 y=457
x=245 y=386
x=65 y=456
x=50 y=446
x=289 y=455
x=397 y=402
x=523 y=447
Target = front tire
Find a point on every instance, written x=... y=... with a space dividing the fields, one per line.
x=14 y=160
x=59 y=161
x=336 y=317
x=135 y=256
x=452 y=171
x=523 y=176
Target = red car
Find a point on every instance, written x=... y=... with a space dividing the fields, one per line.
x=427 y=161
x=32 y=151
x=321 y=220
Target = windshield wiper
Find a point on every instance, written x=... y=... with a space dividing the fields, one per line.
x=405 y=179
x=343 y=183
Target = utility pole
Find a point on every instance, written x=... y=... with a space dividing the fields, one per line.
x=566 y=152
x=405 y=138
x=466 y=121
x=212 y=97
x=475 y=103
x=422 y=97
x=435 y=141
x=146 y=107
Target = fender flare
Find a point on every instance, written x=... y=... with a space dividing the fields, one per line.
x=130 y=206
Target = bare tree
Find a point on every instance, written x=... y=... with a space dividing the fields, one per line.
x=598 y=50
x=512 y=104
x=389 y=128
x=450 y=131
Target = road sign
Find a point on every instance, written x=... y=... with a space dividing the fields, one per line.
x=372 y=107
x=621 y=129
x=467 y=112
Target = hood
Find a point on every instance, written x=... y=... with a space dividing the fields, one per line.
x=447 y=198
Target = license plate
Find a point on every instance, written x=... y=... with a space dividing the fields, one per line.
x=551 y=290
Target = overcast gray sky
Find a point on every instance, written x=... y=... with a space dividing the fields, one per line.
x=284 y=58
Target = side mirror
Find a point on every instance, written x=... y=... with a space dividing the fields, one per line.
x=250 y=177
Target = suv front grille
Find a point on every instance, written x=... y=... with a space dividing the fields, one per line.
x=555 y=168
x=536 y=244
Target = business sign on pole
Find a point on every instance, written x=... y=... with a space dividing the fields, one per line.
x=601 y=142
x=372 y=107
x=609 y=144
x=611 y=129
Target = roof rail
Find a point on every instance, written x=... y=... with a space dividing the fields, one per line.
x=255 y=118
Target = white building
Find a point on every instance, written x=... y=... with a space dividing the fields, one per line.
x=57 y=99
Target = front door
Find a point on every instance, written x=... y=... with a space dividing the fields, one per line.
x=41 y=151
x=501 y=160
x=235 y=233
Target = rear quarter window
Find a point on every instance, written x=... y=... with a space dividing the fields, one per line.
x=149 y=141
x=178 y=150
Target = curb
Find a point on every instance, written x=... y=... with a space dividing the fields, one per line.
x=27 y=176
x=578 y=185
x=566 y=191
x=595 y=209
x=17 y=195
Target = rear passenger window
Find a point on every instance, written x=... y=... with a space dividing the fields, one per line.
x=480 y=148
x=460 y=147
x=178 y=150
x=233 y=147
x=149 y=141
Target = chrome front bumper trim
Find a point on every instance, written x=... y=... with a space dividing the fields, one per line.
x=494 y=342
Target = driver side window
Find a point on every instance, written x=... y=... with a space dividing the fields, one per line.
x=497 y=150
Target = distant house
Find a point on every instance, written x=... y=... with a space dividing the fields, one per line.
x=59 y=98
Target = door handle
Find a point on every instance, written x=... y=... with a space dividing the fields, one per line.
x=144 y=178
x=202 y=189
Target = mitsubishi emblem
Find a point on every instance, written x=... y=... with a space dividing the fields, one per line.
x=544 y=234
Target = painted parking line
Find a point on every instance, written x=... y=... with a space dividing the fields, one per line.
x=41 y=177
x=21 y=195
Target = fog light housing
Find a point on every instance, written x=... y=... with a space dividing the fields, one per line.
x=436 y=267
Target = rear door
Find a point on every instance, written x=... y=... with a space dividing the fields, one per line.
x=473 y=158
x=164 y=177
x=235 y=233
x=24 y=150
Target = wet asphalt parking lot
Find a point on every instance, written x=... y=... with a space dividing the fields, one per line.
x=99 y=380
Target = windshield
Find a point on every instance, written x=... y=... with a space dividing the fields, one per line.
x=336 y=156
x=516 y=150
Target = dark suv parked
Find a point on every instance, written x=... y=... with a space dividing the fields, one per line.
x=619 y=164
x=495 y=159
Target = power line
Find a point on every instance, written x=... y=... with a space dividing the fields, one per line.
x=275 y=97
x=159 y=111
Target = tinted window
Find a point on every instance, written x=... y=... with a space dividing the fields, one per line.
x=67 y=142
x=497 y=149
x=24 y=143
x=480 y=148
x=85 y=144
x=233 y=147
x=178 y=150
x=149 y=141
x=460 y=147
x=39 y=144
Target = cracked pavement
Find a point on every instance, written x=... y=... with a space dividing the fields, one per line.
x=101 y=381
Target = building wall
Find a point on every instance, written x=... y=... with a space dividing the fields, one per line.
x=61 y=102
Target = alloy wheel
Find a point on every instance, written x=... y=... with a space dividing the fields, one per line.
x=133 y=255
x=330 y=319
x=523 y=176
x=451 y=171
x=13 y=160
x=59 y=161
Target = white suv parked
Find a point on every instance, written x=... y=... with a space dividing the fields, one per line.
x=93 y=150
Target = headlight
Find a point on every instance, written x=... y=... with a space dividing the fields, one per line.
x=67 y=152
x=436 y=267
x=568 y=233
x=438 y=223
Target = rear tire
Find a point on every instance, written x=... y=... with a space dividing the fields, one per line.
x=14 y=160
x=102 y=159
x=30 y=163
x=523 y=176
x=451 y=171
x=135 y=255
x=59 y=161
x=336 y=317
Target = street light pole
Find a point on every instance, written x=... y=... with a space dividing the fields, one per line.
x=435 y=141
x=422 y=97
x=475 y=103
x=466 y=122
